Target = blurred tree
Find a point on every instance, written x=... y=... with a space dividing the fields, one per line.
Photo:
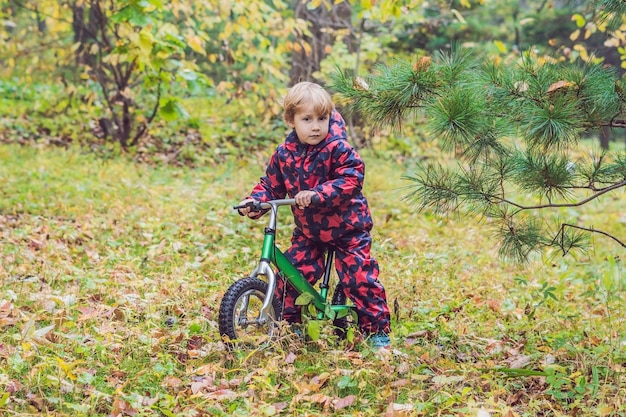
x=121 y=56
x=128 y=63
x=312 y=45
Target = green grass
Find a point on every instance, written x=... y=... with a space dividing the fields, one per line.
x=97 y=255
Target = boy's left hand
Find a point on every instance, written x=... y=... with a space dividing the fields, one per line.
x=303 y=198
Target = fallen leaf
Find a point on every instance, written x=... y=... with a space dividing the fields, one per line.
x=518 y=361
x=399 y=383
x=122 y=408
x=172 y=382
x=223 y=394
x=483 y=413
x=344 y=402
x=291 y=358
x=441 y=380
x=39 y=335
x=559 y=84
x=201 y=384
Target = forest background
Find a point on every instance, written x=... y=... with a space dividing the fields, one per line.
x=116 y=247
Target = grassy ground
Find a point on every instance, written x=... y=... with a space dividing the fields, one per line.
x=111 y=275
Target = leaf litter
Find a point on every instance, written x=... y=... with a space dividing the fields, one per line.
x=112 y=311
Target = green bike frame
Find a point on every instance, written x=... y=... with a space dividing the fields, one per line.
x=271 y=255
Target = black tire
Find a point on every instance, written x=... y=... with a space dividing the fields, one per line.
x=239 y=309
x=341 y=324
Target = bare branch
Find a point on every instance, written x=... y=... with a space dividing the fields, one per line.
x=553 y=205
x=587 y=229
x=145 y=125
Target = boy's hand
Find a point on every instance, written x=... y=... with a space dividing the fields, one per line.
x=303 y=198
x=245 y=211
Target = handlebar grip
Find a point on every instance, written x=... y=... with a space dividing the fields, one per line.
x=316 y=200
x=254 y=206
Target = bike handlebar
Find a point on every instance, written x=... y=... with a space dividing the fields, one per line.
x=257 y=206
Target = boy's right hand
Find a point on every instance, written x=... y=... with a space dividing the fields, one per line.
x=245 y=211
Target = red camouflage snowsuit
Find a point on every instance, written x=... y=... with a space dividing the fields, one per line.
x=342 y=220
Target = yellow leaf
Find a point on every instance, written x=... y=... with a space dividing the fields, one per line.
x=67 y=367
x=582 y=51
x=224 y=86
x=500 y=45
x=466 y=4
x=458 y=15
x=145 y=42
x=579 y=19
x=575 y=35
x=195 y=43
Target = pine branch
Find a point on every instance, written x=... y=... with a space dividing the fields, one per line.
x=561 y=205
x=478 y=112
x=567 y=247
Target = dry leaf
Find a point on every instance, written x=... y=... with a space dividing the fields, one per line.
x=223 y=394
x=559 y=85
x=344 y=402
x=422 y=64
x=172 y=382
x=359 y=84
x=518 y=361
x=122 y=408
x=521 y=86
x=291 y=358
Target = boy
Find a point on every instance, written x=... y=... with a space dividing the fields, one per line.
x=316 y=159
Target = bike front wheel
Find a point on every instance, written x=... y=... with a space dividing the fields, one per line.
x=240 y=310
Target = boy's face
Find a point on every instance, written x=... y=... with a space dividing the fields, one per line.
x=310 y=127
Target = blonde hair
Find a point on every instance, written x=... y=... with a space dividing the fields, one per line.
x=306 y=92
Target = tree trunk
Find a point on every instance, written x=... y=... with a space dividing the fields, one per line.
x=322 y=24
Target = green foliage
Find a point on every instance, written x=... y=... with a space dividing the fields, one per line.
x=162 y=53
x=127 y=65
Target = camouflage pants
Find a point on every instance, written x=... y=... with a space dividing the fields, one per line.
x=357 y=271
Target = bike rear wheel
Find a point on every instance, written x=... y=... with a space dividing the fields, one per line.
x=240 y=309
x=341 y=324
